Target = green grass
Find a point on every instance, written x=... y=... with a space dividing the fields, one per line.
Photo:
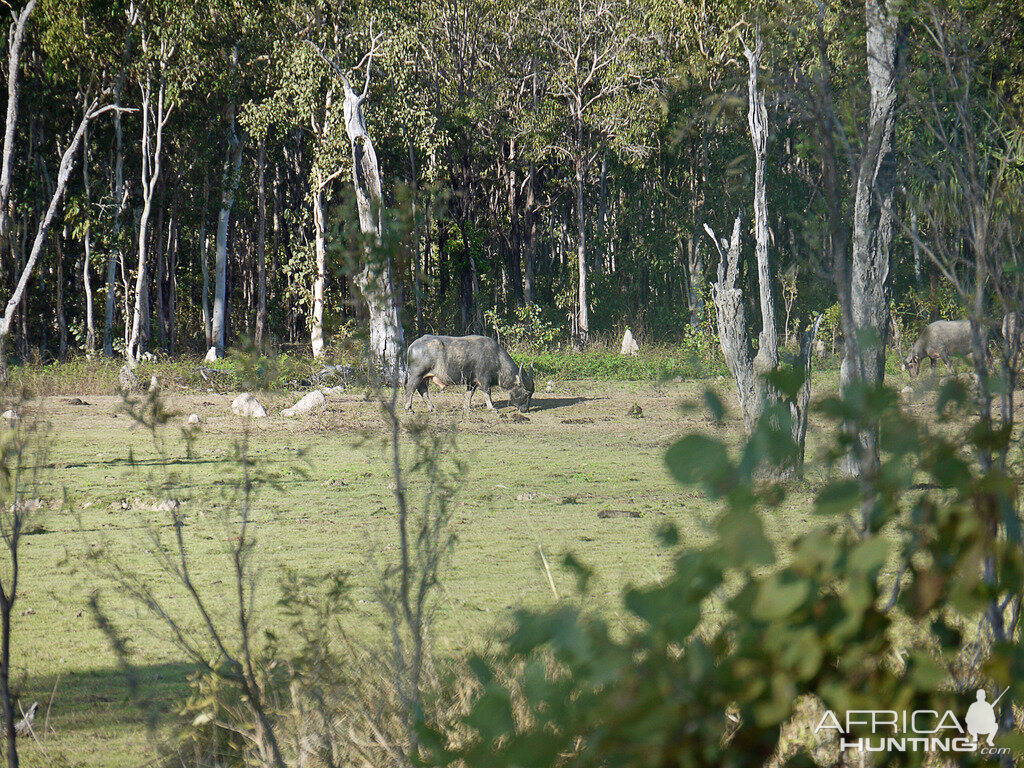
x=579 y=476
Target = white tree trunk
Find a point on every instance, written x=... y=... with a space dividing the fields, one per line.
x=90 y=327
x=767 y=358
x=320 y=247
x=15 y=41
x=232 y=171
x=583 y=329
x=870 y=284
x=154 y=118
x=67 y=162
x=375 y=281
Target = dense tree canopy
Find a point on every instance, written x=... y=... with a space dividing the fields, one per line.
x=561 y=156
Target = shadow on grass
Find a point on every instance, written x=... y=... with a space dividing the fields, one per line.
x=104 y=700
x=552 y=403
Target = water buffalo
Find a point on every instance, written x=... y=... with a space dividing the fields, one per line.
x=476 y=361
x=941 y=340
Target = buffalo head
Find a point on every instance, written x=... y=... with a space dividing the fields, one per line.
x=521 y=392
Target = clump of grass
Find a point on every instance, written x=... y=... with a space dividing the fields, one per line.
x=661 y=363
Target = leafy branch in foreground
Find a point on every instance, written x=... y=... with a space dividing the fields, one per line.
x=718 y=658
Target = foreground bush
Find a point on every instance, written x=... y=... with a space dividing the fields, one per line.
x=715 y=660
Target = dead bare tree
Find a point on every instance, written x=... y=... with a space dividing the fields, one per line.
x=376 y=278
x=751 y=369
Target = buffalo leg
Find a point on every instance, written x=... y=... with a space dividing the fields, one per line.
x=424 y=390
x=487 y=395
x=412 y=384
x=470 y=389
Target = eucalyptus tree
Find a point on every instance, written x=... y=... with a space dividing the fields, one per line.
x=91 y=111
x=604 y=88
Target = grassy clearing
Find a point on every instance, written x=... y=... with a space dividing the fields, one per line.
x=580 y=475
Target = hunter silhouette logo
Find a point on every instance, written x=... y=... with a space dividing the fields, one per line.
x=981 y=718
x=887 y=730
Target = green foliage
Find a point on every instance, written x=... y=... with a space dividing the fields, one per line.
x=528 y=330
x=721 y=649
x=651 y=364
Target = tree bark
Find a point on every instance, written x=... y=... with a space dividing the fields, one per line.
x=232 y=172
x=869 y=289
x=154 y=119
x=15 y=42
x=63 y=173
x=767 y=358
x=320 y=252
x=583 y=320
x=261 y=245
x=90 y=326
x=376 y=281
x=121 y=200
x=204 y=263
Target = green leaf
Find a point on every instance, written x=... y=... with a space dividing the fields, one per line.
x=837 y=498
x=697 y=458
x=777 y=597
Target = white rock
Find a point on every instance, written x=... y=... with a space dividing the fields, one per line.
x=311 y=402
x=10 y=417
x=193 y=419
x=212 y=356
x=154 y=383
x=149 y=357
x=907 y=392
x=629 y=345
x=247 y=405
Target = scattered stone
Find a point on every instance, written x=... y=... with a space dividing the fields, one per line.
x=309 y=403
x=549 y=387
x=333 y=390
x=74 y=401
x=193 y=419
x=636 y=412
x=629 y=345
x=907 y=392
x=167 y=505
x=10 y=417
x=211 y=356
x=526 y=497
x=154 y=383
x=583 y=420
x=248 y=406
x=604 y=514
x=148 y=357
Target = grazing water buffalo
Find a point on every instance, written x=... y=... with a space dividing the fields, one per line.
x=941 y=340
x=476 y=361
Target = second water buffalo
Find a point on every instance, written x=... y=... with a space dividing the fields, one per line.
x=942 y=340
x=479 y=362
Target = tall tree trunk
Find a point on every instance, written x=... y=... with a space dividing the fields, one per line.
x=232 y=172
x=583 y=319
x=869 y=287
x=261 y=245
x=530 y=223
x=204 y=262
x=90 y=326
x=767 y=358
x=121 y=201
x=154 y=119
x=320 y=278
x=67 y=162
x=376 y=280
x=62 y=322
